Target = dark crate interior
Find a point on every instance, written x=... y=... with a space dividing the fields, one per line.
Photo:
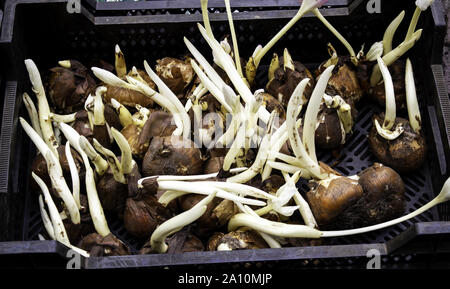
x=56 y=35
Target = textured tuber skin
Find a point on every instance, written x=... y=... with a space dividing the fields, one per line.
x=329 y=133
x=99 y=246
x=39 y=167
x=181 y=242
x=343 y=81
x=81 y=125
x=285 y=82
x=405 y=154
x=111 y=193
x=126 y=96
x=213 y=165
x=172 y=155
x=397 y=71
x=328 y=202
x=272 y=184
x=143 y=213
x=272 y=104
x=77 y=232
x=68 y=88
x=383 y=199
x=239 y=240
x=210 y=220
x=213 y=241
x=176 y=74
x=159 y=123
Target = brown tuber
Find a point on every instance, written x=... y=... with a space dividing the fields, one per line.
x=383 y=199
x=68 y=87
x=99 y=246
x=143 y=213
x=239 y=240
x=397 y=71
x=181 y=242
x=404 y=154
x=329 y=198
x=172 y=155
x=176 y=74
x=286 y=79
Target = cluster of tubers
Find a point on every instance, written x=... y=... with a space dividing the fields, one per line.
x=191 y=157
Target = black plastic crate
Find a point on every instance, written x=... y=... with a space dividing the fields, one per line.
x=46 y=32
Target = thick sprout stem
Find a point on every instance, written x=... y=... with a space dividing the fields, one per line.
x=261 y=157
x=212 y=88
x=59 y=230
x=126 y=161
x=336 y=33
x=263 y=51
x=269 y=239
x=32 y=112
x=56 y=223
x=95 y=207
x=120 y=65
x=209 y=70
x=205 y=15
x=238 y=188
x=55 y=172
x=301 y=150
x=65 y=118
x=167 y=93
x=110 y=79
x=125 y=117
x=309 y=126
x=43 y=107
x=411 y=98
x=393 y=55
x=112 y=160
x=196 y=188
x=226 y=62
x=99 y=107
x=48 y=225
x=413 y=23
x=272 y=228
x=74 y=175
x=162 y=101
x=278 y=139
x=390 y=114
x=303 y=206
x=235 y=148
x=173 y=225
x=234 y=38
x=390 y=31
x=82 y=146
x=188 y=177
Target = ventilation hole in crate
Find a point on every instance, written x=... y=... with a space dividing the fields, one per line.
x=366 y=156
x=367 y=123
x=362 y=148
x=423 y=200
x=416 y=180
x=411 y=189
x=342 y=170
